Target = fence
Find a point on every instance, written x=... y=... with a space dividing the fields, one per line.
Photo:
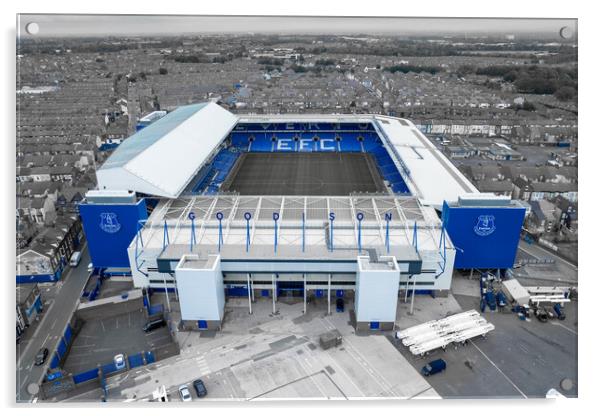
x=156 y=309
x=62 y=347
x=135 y=360
x=150 y=357
x=86 y=376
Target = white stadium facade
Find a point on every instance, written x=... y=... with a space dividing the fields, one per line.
x=214 y=205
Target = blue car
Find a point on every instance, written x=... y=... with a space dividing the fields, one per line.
x=434 y=367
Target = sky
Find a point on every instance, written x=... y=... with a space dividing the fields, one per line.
x=115 y=25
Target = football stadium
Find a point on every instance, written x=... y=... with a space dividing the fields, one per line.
x=214 y=205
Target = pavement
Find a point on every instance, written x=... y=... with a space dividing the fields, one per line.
x=50 y=328
x=264 y=356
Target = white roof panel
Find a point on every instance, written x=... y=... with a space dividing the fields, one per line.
x=162 y=158
x=436 y=178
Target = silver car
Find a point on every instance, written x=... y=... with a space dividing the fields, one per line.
x=185 y=393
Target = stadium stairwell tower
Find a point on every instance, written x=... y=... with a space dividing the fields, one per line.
x=248 y=206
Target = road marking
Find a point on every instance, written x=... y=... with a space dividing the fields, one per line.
x=498 y=369
x=564 y=326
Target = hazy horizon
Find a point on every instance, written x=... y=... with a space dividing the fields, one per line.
x=174 y=25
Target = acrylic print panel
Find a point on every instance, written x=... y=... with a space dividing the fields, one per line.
x=229 y=207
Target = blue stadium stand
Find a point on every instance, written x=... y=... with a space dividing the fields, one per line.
x=240 y=140
x=350 y=144
x=287 y=136
x=328 y=135
x=261 y=144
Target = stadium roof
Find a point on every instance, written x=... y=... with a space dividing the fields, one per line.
x=406 y=213
x=433 y=177
x=162 y=158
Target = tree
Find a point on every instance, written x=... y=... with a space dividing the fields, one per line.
x=465 y=69
x=565 y=93
x=163 y=71
x=527 y=106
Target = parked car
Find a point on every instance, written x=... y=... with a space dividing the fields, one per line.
x=119 y=361
x=41 y=356
x=75 y=258
x=154 y=324
x=90 y=267
x=340 y=305
x=434 y=367
x=199 y=387
x=185 y=393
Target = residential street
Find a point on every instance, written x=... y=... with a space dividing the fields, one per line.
x=50 y=328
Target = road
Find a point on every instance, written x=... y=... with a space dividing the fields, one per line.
x=561 y=272
x=51 y=328
x=540 y=253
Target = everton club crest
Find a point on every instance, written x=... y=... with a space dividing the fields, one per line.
x=485 y=225
x=109 y=223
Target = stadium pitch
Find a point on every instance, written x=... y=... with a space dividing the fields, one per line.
x=333 y=174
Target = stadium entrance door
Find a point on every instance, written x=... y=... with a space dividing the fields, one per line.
x=290 y=289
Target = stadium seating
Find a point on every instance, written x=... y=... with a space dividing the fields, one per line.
x=299 y=137
x=213 y=174
x=240 y=140
x=350 y=145
x=261 y=144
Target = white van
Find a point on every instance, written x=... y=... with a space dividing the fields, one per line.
x=75 y=258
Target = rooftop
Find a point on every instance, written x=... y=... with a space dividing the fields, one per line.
x=433 y=176
x=162 y=158
x=293 y=232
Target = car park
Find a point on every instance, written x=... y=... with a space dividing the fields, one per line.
x=41 y=356
x=185 y=393
x=199 y=388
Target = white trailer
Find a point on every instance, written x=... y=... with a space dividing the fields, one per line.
x=457 y=328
